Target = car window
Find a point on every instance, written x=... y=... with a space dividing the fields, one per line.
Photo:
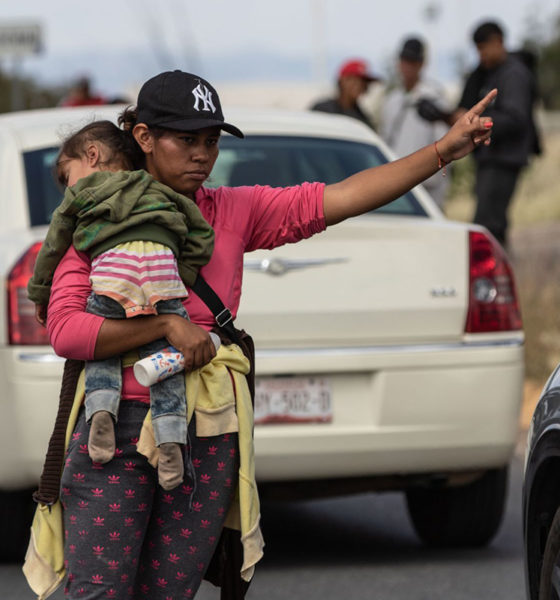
x=43 y=192
x=285 y=161
x=262 y=160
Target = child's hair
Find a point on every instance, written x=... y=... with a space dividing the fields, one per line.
x=119 y=149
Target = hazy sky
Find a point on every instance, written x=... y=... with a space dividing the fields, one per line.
x=122 y=40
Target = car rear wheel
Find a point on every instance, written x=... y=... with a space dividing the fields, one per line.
x=16 y=513
x=467 y=515
x=549 y=586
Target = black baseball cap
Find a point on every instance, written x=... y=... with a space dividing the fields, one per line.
x=181 y=101
x=412 y=50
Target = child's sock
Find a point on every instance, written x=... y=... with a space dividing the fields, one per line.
x=101 y=442
x=170 y=465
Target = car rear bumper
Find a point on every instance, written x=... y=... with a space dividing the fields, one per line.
x=403 y=410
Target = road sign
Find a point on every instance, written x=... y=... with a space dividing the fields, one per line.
x=20 y=39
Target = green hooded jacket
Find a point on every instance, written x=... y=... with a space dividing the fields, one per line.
x=109 y=208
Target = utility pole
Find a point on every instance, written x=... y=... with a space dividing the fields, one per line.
x=15 y=87
x=431 y=13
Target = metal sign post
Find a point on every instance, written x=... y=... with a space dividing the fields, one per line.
x=18 y=40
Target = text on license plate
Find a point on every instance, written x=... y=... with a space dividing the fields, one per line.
x=293 y=400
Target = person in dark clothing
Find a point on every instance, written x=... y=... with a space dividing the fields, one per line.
x=514 y=138
x=81 y=95
x=353 y=81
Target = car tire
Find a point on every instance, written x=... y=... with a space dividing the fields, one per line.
x=16 y=513
x=462 y=516
x=549 y=585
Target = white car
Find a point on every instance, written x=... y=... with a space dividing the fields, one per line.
x=389 y=348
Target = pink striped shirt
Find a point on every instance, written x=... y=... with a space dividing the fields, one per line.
x=137 y=275
x=243 y=218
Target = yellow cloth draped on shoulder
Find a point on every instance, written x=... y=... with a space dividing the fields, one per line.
x=222 y=405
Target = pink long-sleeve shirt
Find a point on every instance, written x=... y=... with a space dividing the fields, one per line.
x=243 y=218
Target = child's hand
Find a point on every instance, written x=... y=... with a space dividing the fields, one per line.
x=41 y=314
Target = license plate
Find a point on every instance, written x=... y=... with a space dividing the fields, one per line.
x=293 y=400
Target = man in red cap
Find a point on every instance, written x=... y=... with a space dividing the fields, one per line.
x=353 y=81
x=80 y=95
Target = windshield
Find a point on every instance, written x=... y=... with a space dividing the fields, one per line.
x=263 y=160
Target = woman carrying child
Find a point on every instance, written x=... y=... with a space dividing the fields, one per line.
x=165 y=552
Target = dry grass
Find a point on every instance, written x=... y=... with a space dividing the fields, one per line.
x=536 y=261
x=537 y=198
x=535 y=254
x=531 y=393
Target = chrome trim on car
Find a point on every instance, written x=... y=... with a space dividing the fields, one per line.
x=39 y=357
x=278 y=266
x=43 y=357
x=341 y=351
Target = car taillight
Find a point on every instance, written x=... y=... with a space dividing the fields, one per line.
x=22 y=327
x=493 y=302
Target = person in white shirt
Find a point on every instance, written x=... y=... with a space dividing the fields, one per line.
x=402 y=125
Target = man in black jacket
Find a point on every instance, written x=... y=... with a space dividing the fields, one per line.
x=514 y=134
x=514 y=137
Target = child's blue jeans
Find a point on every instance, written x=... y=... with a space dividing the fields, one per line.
x=103 y=378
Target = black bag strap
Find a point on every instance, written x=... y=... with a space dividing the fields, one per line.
x=222 y=314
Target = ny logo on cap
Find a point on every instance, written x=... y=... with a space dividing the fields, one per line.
x=202 y=94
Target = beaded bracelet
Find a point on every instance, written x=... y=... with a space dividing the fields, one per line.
x=442 y=164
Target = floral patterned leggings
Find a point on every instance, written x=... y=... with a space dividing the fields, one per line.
x=128 y=538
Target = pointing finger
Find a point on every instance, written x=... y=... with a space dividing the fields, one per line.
x=479 y=108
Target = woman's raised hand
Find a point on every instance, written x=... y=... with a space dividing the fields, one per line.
x=468 y=132
x=190 y=339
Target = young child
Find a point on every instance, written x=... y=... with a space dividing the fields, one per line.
x=146 y=243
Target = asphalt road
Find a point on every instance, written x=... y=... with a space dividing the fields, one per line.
x=363 y=547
